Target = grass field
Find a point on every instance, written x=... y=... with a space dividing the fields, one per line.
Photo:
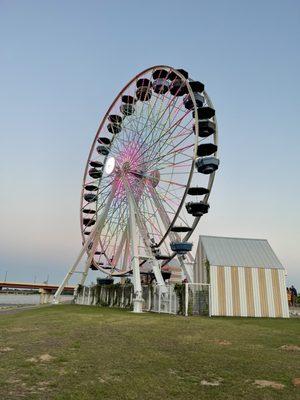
x=80 y=352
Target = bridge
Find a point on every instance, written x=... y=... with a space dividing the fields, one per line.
x=45 y=289
x=30 y=285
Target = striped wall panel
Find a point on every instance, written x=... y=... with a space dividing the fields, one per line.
x=214 y=291
x=256 y=289
x=248 y=292
x=283 y=295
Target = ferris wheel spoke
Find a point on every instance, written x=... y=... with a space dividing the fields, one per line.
x=178 y=164
x=174 y=173
x=108 y=238
x=158 y=232
x=171 y=153
x=155 y=213
x=164 y=216
x=155 y=132
x=128 y=135
x=174 y=116
x=131 y=129
x=138 y=133
x=151 y=217
x=91 y=182
x=166 y=189
x=118 y=210
x=163 y=198
x=157 y=121
x=148 y=116
x=175 y=152
x=169 y=133
x=149 y=149
x=99 y=206
x=159 y=128
x=170 y=202
x=152 y=106
x=118 y=143
x=163 y=143
x=105 y=234
x=117 y=251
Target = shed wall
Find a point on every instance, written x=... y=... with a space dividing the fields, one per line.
x=248 y=292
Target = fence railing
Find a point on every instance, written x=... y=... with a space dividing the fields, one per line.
x=185 y=299
x=197 y=299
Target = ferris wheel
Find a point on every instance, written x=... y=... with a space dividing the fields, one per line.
x=148 y=178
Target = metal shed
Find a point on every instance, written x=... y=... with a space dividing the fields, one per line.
x=245 y=275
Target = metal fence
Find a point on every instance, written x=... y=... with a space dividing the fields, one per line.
x=157 y=301
x=197 y=299
x=186 y=299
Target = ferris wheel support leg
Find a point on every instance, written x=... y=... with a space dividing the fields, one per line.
x=144 y=233
x=125 y=256
x=155 y=266
x=71 y=271
x=126 y=253
x=138 y=299
x=119 y=250
x=95 y=233
x=89 y=260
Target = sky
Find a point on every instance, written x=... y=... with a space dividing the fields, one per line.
x=63 y=62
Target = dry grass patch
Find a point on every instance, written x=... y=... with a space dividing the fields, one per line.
x=46 y=358
x=290 y=347
x=296 y=382
x=223 y=342
x=211 y=383
x=5 y=349
x=271 y=384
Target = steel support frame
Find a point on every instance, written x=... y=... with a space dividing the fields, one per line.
x=136 y=222
x=153 y=261
x=93 y=238
x=138 y=298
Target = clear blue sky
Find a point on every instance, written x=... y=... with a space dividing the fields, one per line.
x=62 y=63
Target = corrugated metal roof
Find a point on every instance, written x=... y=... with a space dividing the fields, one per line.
x=239 y=252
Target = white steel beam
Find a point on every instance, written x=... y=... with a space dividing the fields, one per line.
x=93 y=237
x=145 y=236
x=118 y=252
x=138 y=299
x=126 y=252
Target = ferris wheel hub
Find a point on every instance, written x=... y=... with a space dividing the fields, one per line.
x=126 y=167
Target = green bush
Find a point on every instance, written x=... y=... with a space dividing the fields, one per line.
x=114 y=295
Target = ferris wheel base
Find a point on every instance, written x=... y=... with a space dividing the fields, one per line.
x=138 y=305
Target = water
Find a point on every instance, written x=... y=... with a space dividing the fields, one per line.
x=8 y=299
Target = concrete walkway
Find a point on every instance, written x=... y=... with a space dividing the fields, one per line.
x=19 y=308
